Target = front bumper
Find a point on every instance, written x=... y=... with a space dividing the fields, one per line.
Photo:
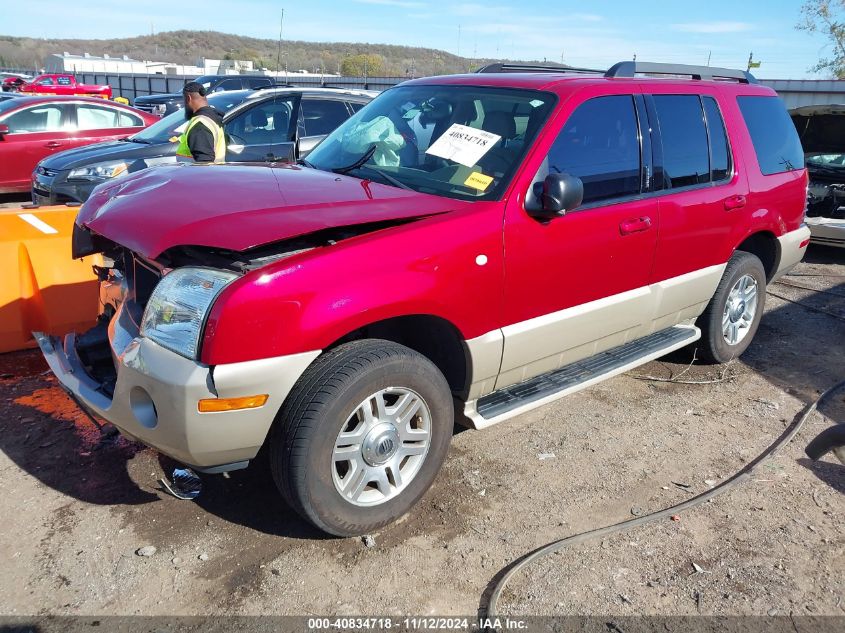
x=156 y=394
x=49 y=190
x=827 y=231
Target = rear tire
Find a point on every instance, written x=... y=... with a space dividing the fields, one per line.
x=362 y=436
x=732 y=317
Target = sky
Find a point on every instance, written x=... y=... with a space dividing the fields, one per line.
x=588 y=34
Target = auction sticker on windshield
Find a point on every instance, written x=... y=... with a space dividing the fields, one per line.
x=463 y=144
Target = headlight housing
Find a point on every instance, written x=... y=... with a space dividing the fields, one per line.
x=176 y=312
x=99 y=171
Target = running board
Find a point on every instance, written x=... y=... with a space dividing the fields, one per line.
x=517 y=399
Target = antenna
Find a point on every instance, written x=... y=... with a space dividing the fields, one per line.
x=279 y=54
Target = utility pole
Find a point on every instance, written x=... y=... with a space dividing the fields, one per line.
x=279 y=54
x=709 y=53
x=459 y=40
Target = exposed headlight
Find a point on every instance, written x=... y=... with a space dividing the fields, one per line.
x=99 y=171
x=177 y=309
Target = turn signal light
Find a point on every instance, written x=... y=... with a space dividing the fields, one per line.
x=213 y=405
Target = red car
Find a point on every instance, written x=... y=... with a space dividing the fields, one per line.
x=501 y=239
x=63 y=85
x=32 y=128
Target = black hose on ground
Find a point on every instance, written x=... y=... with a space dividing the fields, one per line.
x=489 y=606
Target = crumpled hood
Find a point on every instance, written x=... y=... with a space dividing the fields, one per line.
x=238 y=207
x=821 y=128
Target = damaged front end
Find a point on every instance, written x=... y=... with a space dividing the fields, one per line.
x=139 y=366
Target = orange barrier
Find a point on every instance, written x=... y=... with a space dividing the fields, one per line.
x=41 y=287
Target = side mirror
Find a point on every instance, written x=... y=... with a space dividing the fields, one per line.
x=557 y=194
x=4 y=130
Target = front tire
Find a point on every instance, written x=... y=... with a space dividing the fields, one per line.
x=732 y=317
x=362 y=436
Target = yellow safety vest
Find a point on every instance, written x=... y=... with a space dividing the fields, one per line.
x=216 y=131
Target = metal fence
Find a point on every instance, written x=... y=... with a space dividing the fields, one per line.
x=133 y=85
x=129 y=86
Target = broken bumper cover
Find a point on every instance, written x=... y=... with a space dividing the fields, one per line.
x=157 y=391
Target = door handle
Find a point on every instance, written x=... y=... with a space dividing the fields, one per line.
x=734 y=202
x=53 y=144
x=635 y=225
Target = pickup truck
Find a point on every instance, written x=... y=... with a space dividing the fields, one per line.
x=63 y=85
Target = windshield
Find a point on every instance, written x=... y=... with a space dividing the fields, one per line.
x=456 y=141
x=836 y=161
x=173 y=124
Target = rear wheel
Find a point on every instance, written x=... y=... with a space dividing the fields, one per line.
x=362 y=436
x=732 y=317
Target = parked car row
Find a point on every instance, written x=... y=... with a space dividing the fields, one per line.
x=63 y=147
x=164 y=104
x=32 y=128
x=274 y=125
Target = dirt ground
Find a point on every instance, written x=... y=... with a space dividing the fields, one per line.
x=77 y=505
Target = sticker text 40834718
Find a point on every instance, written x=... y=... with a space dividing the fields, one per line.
x=463 y=144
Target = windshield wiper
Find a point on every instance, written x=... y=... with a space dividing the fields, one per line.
x=136 y=140
x=393 y=181
x=364 y=158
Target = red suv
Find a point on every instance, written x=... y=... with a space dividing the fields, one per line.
x=502 y=238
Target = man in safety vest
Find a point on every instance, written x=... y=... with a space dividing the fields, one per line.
x=203 y=138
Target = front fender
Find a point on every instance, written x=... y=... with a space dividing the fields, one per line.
x=449 y=266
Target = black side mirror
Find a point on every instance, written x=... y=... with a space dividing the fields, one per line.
x=4 y=130
x=556 y=195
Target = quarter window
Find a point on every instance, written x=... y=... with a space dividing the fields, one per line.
x=720 y=154
x=775 y=139
x=685 y=153
x=600 y=145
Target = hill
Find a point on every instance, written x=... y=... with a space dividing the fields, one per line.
x=186 y=47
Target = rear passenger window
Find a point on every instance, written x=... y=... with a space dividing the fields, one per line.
x=686 y=158
x=600 y=145
x=720 y=155
x=774 y=136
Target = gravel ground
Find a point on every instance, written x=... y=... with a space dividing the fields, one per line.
x=77 y=505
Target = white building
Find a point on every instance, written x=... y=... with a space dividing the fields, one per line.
x=87 y=63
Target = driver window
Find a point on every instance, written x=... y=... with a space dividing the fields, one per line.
x=600 y=145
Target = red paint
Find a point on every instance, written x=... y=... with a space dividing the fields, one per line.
x=428 y=266
x=21 y=152
x=63 y=84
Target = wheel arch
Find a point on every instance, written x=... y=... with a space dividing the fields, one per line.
x=765 y=246
x=434 y=337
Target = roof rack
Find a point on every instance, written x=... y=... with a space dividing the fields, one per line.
x=631 y=69
x=500 y=67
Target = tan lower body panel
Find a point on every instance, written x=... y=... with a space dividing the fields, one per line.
x=791 y=251
x=554 y=340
